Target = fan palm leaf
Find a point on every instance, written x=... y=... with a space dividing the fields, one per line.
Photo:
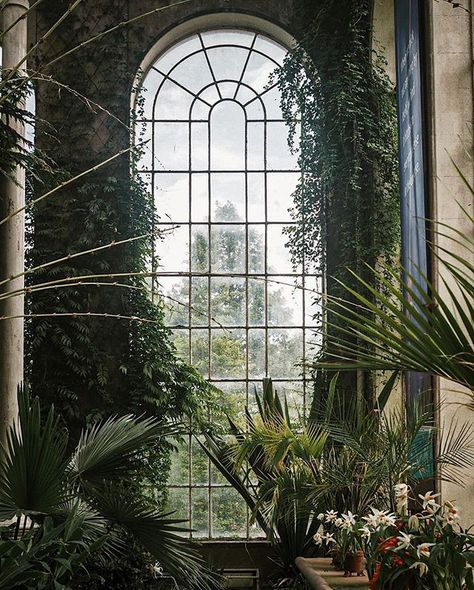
x=33 y=463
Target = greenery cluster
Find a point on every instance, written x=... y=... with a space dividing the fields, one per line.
x=345 y=104
x=337 y=95
x=65 y=507
x=343 y=459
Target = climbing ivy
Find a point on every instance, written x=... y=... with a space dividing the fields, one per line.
x=334 y=85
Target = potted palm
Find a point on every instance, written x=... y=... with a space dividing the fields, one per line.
x=60 y=506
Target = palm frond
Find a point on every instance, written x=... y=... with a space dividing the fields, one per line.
x=33 y=463
x=160 y=535
x=104 y=450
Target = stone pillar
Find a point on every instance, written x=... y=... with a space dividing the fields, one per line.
x=452 y=114
x=12 y=235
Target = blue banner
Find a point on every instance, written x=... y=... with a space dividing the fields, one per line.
x=413 y=193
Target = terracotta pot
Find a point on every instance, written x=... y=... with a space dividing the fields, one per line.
x=354 y=564
x=337 y=559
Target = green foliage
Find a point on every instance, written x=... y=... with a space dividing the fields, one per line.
x=262 y=464
x=337 y=96
x=415 y=330
x=66 y=506
x=346 y=205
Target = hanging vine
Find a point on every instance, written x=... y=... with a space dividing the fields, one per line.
x=346 y=206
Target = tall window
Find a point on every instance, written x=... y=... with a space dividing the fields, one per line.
x=222 y=176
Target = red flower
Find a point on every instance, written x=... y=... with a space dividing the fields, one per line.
x=398 y=561
x=375 y=577
x=385 y=546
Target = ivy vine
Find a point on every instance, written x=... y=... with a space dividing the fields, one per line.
x=334 y=85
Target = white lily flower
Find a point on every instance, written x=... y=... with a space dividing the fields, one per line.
x=366 y=532
x=451 y=513
x=331 y=515
x=429 y=501
x=318 y=538
x=329 y=538
x=338 y=522
x=420 y=566
x=372 y=521
x=404 y=541
x=423 y=550
x=321 y=516
x=351 y=518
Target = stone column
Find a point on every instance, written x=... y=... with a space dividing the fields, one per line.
x=12 y=235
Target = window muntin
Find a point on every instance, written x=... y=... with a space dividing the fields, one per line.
x=222 y=175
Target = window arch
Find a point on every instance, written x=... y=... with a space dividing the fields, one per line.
x=222 y=175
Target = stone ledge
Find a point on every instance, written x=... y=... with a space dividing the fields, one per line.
x=321 y=575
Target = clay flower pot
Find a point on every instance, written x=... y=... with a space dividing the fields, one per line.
x=337 y=559
x=354 y=564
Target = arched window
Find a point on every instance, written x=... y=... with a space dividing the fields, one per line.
x=222 y=175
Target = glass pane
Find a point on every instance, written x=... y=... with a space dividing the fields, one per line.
x=256 y=197
x=313 y=339
x=200 y=110
x=228 y=354
x=177 y=52
x=256 y=249
x=199 y=464
x=285 y=302
x=200 y=351
x=258 y=72
x=272 y=100
x=199 y=197
x=255 y=146
x=180 y=339
x=178 y=502
x=228 y=197
x=313 y=294
x=171 y=146
x=228 y=89
x=256 y=354
x=172 y=249
x=229 y=513
x=209 y=95
x=228 y=249
x=244 y=94
x=192 y=73
x=255 y=387
x=172 y=102
x=227 y=137
x=179 y=471
x=293 y=391
x=200 y=512
x=285 y=352
x=199 y=146
x=226 y=36
x=231 y=401
x=150 y=86
x=254 y=110
x=280 y=189
x=256 y=532
x=145 y=161
x=270 y=48
x=227 y=62
x=256 y=304
x=199 y=301
x=279 y=156
x=228 y=301
x=278 y=254
x=199 y=248
x=175 y=292
x=172 y=197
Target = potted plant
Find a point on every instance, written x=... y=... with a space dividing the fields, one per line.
x=429 y=551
